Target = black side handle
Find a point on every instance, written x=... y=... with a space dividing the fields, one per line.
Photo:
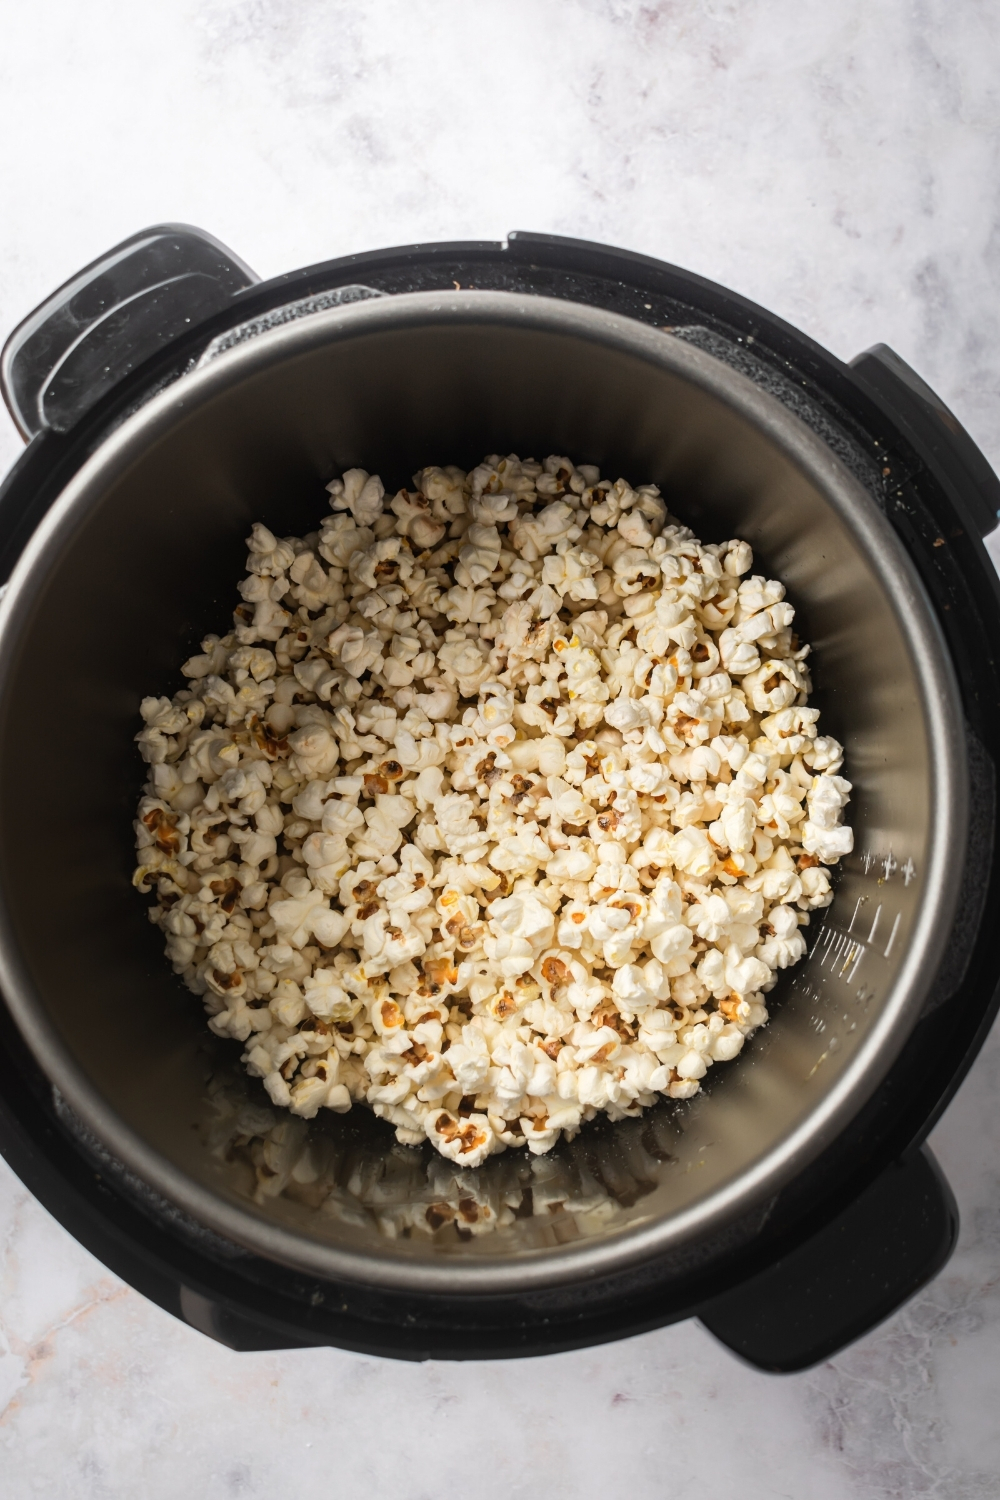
x=846 y=1279
x=935 y=434
x=237 y=1331
x=111 y=317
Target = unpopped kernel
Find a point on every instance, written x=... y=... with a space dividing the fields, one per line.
x=500 y=806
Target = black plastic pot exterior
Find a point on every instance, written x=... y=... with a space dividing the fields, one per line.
x=938 y=495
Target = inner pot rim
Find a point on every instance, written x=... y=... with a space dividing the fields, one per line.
x=947 y=773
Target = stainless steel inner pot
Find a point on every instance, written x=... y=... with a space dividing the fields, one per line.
x=139 y=558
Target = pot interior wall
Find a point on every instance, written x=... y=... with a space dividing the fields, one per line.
x=152 y=566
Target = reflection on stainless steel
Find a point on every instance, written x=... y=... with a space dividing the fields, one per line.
x=579 y=1190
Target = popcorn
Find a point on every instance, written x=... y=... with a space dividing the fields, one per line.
x=497 y=836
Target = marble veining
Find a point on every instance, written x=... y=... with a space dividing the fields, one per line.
x=837 y=163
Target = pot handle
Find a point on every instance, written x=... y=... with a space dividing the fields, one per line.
x=109 y=318
x=935 y=434
x=845 y=1279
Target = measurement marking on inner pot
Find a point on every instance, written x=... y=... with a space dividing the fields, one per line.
x=835 y=942
x=892 y=935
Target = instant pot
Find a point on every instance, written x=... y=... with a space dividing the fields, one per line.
x=169 y=398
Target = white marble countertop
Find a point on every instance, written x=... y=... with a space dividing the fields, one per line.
x=837 y=162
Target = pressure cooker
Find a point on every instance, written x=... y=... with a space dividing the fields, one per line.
x=169 y=399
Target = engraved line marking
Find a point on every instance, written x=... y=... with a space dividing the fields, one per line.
x=889 y=864
x=878 y=913
x=857 y=908
x=833 y=952
x=849 y=959
x=892 y=935
x=822 y=937
x=908 y=871
x=861 y=953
